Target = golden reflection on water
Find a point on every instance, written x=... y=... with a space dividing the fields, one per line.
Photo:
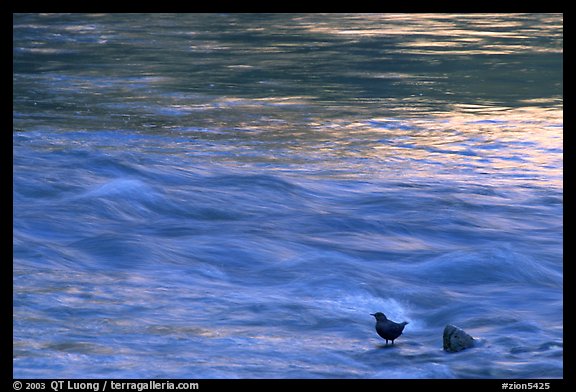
x=437 y=32
x=524 y=143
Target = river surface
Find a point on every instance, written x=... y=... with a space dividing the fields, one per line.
x=232 y=195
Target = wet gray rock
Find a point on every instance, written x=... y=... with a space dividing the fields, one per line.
x=456 y=339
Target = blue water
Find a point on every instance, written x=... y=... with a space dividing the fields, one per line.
x=232 y=195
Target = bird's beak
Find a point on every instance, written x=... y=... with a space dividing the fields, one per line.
x=372 y=314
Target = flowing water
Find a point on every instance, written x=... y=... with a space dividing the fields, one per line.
x=232 y=195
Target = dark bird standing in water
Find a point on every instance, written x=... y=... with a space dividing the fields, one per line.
x=387 y=329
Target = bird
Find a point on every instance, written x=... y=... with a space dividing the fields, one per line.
x=388 y=329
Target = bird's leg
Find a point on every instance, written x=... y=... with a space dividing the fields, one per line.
x=386 y=341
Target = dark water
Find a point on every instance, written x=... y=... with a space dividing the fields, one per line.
x=230 y=196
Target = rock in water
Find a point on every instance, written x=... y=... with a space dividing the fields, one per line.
x=455 y=339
